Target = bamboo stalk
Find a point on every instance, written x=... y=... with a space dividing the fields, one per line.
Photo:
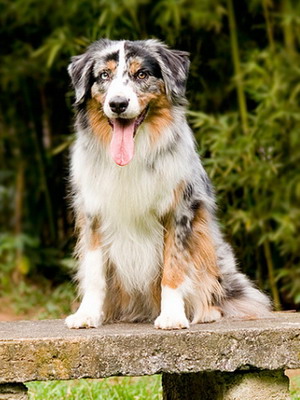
x=289 y=38
x=273 y=285
x=237 y=67
x=41 y=168
x=19 y=196
x=269 y=25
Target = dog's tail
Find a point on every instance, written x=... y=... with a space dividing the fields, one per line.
x=242 y=299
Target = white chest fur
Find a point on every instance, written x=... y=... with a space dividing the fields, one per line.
x=130 y=201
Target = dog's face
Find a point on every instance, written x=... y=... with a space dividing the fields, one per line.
x=126 y=84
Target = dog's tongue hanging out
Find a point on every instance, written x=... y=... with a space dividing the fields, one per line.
x=122 y=143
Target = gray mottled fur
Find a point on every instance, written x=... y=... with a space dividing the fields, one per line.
x=239 y=296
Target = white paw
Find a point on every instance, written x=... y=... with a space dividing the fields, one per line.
x=171 y=322
x=83 y=320
x=214 y=314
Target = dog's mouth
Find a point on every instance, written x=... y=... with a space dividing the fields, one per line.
x=123 y=133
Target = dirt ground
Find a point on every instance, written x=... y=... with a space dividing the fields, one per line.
x=7 y=313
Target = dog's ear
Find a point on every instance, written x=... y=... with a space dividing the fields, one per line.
x=174 y=67
x=81 y=73
x=81 y=69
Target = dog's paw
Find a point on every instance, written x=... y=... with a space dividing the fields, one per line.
x=83 y=320
x=171 y=322
x=214 y=314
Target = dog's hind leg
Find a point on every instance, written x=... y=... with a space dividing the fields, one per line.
x=91 y=277
x=190 y=281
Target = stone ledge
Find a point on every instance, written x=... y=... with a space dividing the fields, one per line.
x=47 y=350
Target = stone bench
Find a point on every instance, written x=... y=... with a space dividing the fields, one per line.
x=232 y=360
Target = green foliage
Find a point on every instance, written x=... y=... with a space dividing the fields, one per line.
x=244 y=94
x=42 y=300
x=144 y=388
x=259 y=172
x=10 y=245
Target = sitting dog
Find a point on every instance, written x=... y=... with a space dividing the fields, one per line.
x=150 y=248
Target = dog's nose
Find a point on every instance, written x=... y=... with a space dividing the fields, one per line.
x=118 y=104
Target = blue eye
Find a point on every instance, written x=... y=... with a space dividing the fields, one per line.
x=104 y=75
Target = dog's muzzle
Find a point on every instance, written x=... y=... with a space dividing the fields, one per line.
x=118 y=104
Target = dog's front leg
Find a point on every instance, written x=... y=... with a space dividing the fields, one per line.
x=91 y=277
x=174 y=283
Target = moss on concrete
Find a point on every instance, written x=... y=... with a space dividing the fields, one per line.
x=47 y=350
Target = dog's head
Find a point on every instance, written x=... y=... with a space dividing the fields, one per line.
x=127 y=83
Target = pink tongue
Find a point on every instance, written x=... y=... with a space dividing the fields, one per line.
x=122 y=144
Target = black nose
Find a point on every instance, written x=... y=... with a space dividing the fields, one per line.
x=118 y=104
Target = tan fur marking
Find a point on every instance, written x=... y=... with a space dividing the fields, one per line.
x=117 y=299
x=98 y=121
x=203 y=254
x=159 y=116
x=174 y=264
x=80 y=223
x=178 y=193
x=111 y=65
x=135 y=65
x=99 y=97
x=95 y=237
x=89 y=237
x=197 y=261
x=201 y=245
x=174 y=267
x=95 y=241
x=146 y=98
x=206 y=273
x=156 y=293
x=122 y=306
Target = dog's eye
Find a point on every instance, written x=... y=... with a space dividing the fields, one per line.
x=141 y=74
x=104 y=76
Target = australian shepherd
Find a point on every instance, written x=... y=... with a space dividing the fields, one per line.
x=150 y=247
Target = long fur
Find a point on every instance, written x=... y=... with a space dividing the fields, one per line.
x=149 y=241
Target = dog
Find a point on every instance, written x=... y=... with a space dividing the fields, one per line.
x=150 y=247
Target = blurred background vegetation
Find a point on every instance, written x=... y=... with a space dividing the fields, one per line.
x=244 y=93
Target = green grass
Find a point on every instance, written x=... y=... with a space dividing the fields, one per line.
x=140 y=388
x=295 y=388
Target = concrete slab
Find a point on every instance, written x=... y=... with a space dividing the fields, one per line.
x=45 y=350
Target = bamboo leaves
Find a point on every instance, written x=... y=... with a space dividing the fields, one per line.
x=244 y=90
